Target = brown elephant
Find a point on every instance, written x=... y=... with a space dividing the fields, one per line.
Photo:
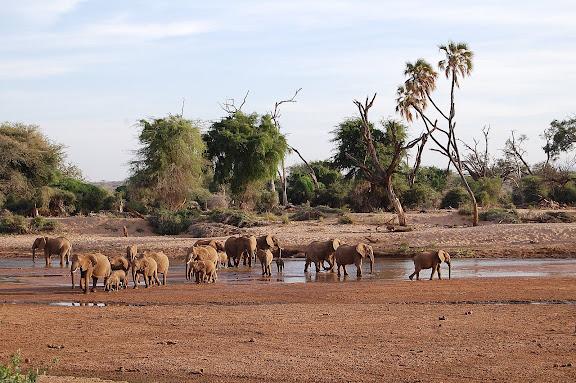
x=92 y=266
x=200 y=253
x=265 y=258
x=131 y=252
x=319 y=251
x=147 y=267
x=60 y=246
x=162 y=262
x=118 y=279
x=431 y=260
x=204 y=271
x=348 y=255
x=120 y=262
x=217 y=245
x=222 y=259
x=240 y=247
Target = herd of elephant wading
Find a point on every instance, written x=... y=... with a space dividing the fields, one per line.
x=206 y=256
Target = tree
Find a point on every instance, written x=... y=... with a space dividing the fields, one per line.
x=170 y=163
x=379 y=166
x=415 y=95
x=244 y=148
x=560 y=137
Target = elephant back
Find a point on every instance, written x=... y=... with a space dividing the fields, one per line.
x=102 y=268
x=161 y=259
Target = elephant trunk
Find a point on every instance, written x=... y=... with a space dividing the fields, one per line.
x=186 y=270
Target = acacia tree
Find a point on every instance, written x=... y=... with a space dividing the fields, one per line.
x=244 y=148
x=382 y=166
x=415 y=96
x=560 y=137
x=170 y=164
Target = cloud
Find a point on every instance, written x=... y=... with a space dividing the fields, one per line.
x=125 y=30
x=38 y=10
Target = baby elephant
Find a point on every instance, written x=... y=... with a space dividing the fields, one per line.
x=430 y=260
x=116 y=281
x=204 y=271
x=265 y=258
x=280 y=264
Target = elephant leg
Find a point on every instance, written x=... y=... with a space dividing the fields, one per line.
x=359 y=269
x=67 y=257
x=338 y=268
x=433 y=271
x=47 y=259
x=94 y=281
x=412 y=275
x=164 y=277
x=438 y=271
x=345 y=272
x=418 y=275
x=62 y=260
x=317 y=264
x=306 y=265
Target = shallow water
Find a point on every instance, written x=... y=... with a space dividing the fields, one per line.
x=15 y=269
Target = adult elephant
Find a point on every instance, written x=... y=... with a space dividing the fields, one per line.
x=348 y=255
x=162 y=262
x=319 y=251
x=60 y=246
x=431 y=260
x=238 y=247
x=92 y=266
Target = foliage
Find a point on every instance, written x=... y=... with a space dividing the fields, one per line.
x=564 y=193
x=345 y=220
x=365 y=197
x=421 y=195
x=500 y=215
x=168 y=222
x=40 y=224
x=170 y=163
x=435 y=177
x=12 y=372
x=13 y=224
x=88 y=197
x=454 y=198
x=238 y=218
x=267 y=201
x=332 y=187
x=531 y=191
x=560 y=137
x=307 y=213
x=244 y=149
x=487 y=190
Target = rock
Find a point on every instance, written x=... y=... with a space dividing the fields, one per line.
x=442 y=318
x=252 y=340
x=56 y=346
x=27 y=360
x=468 y=313
x=197 y=372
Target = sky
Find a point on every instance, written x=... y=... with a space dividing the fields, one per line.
x=85 y=71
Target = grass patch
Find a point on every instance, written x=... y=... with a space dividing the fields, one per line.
x=465 y=210
x=166 y=222
x=500 y=215
x=43 y=224
x=238 y=218
x=309 y=213
x=345 y=220
x=13 y=373
x=13 y=224
x=551 y=217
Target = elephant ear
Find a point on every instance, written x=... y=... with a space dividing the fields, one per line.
x=335 y=244
x=92 y=259
x=441 y=255
x=361 y=249
x=270 y=240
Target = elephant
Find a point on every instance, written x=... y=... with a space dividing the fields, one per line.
x=265 y=258
x=431 y=259
x=58 y=246
x=200 y=253
x=204 y=271
x=131 y=252
x=222 y=259
x=92 y=266
x=116 y=281
x=217 y=245
x=348 y=255
x=146 y=266
x=280 y=264
x=319 y=251
x=238 y=247
x=162 y=263
x=120 y=262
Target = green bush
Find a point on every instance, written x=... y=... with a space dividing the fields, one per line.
x=90 y=198
x=465 y=209
x=454 y=198
x=166 y=222
x=12 y=372
x=487 y=190
x=500 y=215
x=532 y=190
x=39 y=224
x=553 y=217
x=345 y=220
x=267 y=201
x=13 y=224
x=564 y=194
x=18 y=205
x=238 y=218
x=307 y=213
x=420 y=196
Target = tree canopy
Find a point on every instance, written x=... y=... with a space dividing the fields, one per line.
x=560 y=137
x=170 y=163
x=244 y=148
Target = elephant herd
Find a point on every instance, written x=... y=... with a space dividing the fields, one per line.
x=206 y=256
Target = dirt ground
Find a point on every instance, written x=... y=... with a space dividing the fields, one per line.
x=489 y=329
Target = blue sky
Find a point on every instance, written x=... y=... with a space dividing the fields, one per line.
x=86 y=71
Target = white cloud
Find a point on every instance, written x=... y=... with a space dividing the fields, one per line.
x=145 y=30
x=38 y=10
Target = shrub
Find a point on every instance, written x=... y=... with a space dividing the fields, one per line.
x=487 y=190
x=238 y=218
x=420 y=196
x=465 y=210
x=552 y=217
x=345 y=220
x=13 y=224
x=12 y=372
x=39 y=224
x=218 y=201
x=500 y=215
x=90 y=198
x=168 y=222
x=454 y=198
x=267 y=201
x=564 y=194
x=531 y=190
x=307 y=213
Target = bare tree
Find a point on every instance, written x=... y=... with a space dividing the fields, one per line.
x=380 y=172
x=415 y=95
x=476 y=160
x=514 y=150
x=275 y=114
x=229 y=105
